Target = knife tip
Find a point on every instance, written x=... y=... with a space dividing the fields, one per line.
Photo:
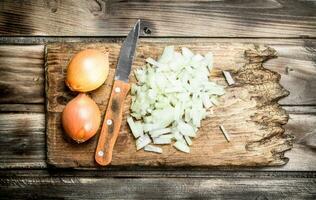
x=138 y=22
x=137 y=25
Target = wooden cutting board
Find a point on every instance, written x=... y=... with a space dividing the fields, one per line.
x=249 y=110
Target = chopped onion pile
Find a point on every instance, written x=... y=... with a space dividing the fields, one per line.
x=171 y=98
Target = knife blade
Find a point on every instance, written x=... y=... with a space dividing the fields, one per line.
x=127 y=53
x=113 y=116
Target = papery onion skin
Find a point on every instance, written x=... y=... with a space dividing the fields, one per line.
x=87 y=70
x=81 y=118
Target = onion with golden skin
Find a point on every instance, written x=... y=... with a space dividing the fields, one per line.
x=87 y=70
x=81 y=118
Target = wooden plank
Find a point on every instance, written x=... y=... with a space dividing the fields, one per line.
x=256 y=137
x=34 y=108
x=267 y=18
x=296 y=64
x=61 y=187
x=23 y=139
x=301 y=124
x=22 y=74
x=154 y=173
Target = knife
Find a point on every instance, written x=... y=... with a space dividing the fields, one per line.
x=113 y=116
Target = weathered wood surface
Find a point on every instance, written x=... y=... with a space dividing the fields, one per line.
x=292 y=54
x=235 y=186
x=268 y=18
x=302 y=125
x=24 y=142
x=248 y=111
x=296 y=63
x=22 y=74
x=154 y=173
x=258 y=18
x=29 y=108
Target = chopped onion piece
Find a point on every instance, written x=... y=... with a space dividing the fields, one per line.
x=136 y=128
x=181 y=146
x=168 y=136
x=178 y=112
x=162 y=140
x=150 y=127
x=209 y=60
x=228 y=78
x=178 y=136
x=152 y=148
x=188 y=140
x=155 y=63
x=167 y=55
x=140 y=75
x=206 y=101
x=159 y=132
x=225 y=133
x=142 y=141
x=186 y=129
x=187 y=52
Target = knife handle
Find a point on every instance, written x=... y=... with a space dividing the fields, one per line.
x=112 y=123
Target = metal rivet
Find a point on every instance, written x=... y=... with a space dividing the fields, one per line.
x=108 y=122
x=100 y=153
x=117 y=89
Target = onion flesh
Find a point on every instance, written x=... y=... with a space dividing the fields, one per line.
x=81 y=118
x=171 y=98
x=152 y=148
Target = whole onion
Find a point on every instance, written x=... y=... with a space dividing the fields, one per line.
x=87 y=70
x=81 y=118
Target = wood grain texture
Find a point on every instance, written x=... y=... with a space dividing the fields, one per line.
x=22 y=74
x=22 y=140
x=302 y=124
x=18 y=139
x=296 y=63
x=266 y=18
x=154 y=173
x=251 y=187
x=24 y=108
x=248 y=111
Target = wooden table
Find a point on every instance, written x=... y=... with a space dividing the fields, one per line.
x=26 y=26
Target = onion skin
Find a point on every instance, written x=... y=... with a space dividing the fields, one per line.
x=81 y=118
x=87 y=70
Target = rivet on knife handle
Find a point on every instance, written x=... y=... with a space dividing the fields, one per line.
x=112 y=123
